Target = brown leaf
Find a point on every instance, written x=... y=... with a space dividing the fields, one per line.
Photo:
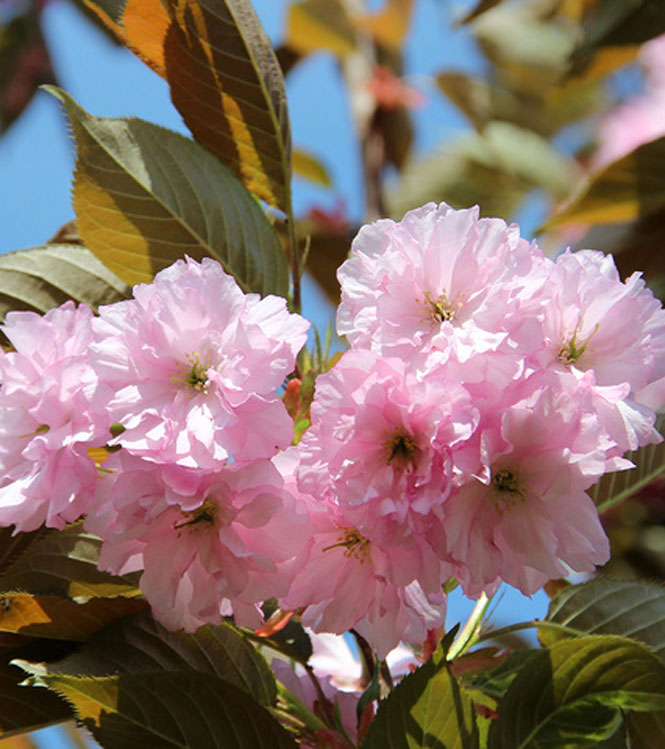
x=227 y=84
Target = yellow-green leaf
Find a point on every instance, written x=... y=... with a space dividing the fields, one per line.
x=60 y=618
x=631 y=187
x=145 y=196
x=227 y=85
x=391 y=24
x=308 y=166
x=316 y=25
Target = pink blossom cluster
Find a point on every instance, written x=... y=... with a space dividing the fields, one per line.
x=180 y=382
x=486 y=389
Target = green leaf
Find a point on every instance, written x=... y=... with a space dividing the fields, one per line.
x=23 y=709
x=426 y=709
x=621 y=485
x=573 y=693
x=227 y=85
x=617 y=607
x=65 y=563
x=625 y=190
x=307 y=166
x=494 y=169
x=45 y=277
x=167 y=709
x=145 y=196
x=316 y=25
x=138 y=644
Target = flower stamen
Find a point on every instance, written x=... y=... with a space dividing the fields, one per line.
x=401 y=451
x=354 y=544
x=572 y=350
x=506 y=491
x=205 y=514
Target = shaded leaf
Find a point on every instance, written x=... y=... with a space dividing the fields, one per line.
x=482 y=6
x=146 y=196
x=618 y=607
x=618 y=22
x=45 y=277
x=65 y=563
x=626 y=189
x=426 y=709
x=24 y=709
x=11 y=547
x=60 y=618
x=618 y=486
x=139 y=644
x=25 y=63
x=308 y=166
x=542 y=108
x=316 y=25
x=396 y=130
x=573 y=693
x=169 y=709
x=227 y=85
x=327 y=251
x=646 y=730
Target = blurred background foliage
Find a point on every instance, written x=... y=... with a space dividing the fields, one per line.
x=566 y=123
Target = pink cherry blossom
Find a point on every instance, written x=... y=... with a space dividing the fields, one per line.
x=190 y=367
x=209 y=545
x=382 y=445
x=46 y=422
x=526 y=518
x=439 y=271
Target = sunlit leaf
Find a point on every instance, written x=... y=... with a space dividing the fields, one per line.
x=145 y=23
x=316 y=25
x=620 y=485
x=168 y=709
x=629 y=608
x=227 y=85
x=45 y=277
x=24 y=709
x=59 y=618
x=145 y=196
x=391 y=24
x=574 y=693
x=308 y=166
x=139 y=644
x=64 y=563
x=108 y=11
x=426 y=709
x=626 y=189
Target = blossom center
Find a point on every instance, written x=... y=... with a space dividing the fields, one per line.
x=401 y=451
x=354 y=544
x=194 y=374
x=506 y=490
x=441 y=309
x=201 y=516
x=573 y=350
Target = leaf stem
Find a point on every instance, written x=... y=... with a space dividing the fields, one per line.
x=493 y=634
x=469 y=633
